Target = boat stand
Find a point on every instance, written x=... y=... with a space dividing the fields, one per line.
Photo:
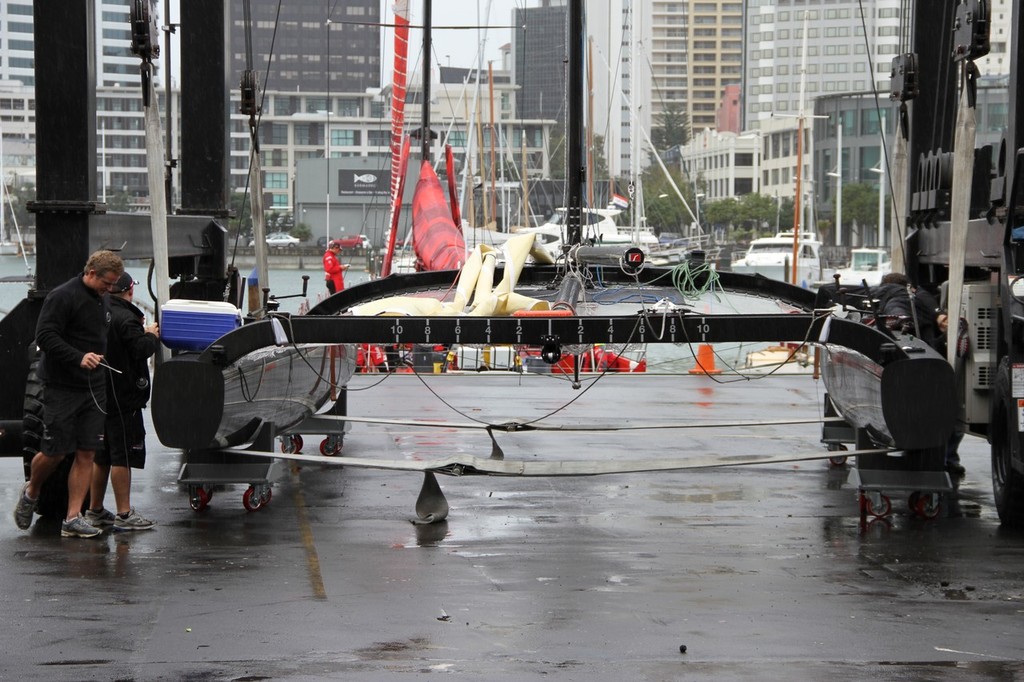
x=920 y=472
x=207 y=470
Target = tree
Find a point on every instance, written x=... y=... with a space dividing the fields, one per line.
x=665 y=212
x=120 y=200
x=722 y=213
x=860 y=203
x=671 y=126
x=556 y=154
x=756 y=211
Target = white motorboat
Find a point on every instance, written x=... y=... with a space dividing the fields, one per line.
x=772 y=257
x=598 y=224
x=866 y=265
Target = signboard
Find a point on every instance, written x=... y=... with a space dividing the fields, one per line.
x=363 y=181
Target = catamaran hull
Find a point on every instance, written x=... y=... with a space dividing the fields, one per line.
x=198 y=404
x=906 y=403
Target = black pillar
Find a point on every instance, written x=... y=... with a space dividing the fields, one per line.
x=65 y=91
x=205 y=102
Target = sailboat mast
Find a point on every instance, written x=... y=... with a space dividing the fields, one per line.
x=574 y=143
x=425 y=104
x=797 y=222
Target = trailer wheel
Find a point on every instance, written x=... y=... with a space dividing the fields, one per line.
x=1007 y=482
x=53 y=495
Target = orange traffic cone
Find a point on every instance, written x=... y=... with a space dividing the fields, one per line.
x=705 y=360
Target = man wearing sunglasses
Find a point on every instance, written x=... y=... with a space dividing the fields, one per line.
x=72 y=335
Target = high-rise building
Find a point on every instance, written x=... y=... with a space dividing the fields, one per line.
x=115 y=63
x=842 y=50
x=682 y=56
x=17 y=44
x=539 y=54
x=308 y=40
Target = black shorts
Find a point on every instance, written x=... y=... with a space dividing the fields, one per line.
x=330 y=287
x=126 y=441
x=72 y=420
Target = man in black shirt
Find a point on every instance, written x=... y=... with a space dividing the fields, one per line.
x=72 y=335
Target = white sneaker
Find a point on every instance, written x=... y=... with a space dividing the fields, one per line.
x=134 y=521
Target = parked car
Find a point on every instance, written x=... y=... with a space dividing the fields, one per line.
x=354 y=243
x=280 y=239
x=350 y=243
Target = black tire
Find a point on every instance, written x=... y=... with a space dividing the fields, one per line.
x=1007 y=482
x=53 y=497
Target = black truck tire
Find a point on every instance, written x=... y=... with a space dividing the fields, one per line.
x=53 y=497
x=1007 y=482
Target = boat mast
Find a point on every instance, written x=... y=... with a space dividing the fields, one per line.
x=574 y=142
x=425 y=130
x=801 y=115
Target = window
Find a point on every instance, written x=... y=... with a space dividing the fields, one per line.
x=382 y=138
x=348 y=108
x=869 y=122
x=309 y=133
x=275 y=181
x=285 y=106
x=275 y=133
x=344 y=138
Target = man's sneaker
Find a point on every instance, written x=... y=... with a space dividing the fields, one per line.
x=78 y=527
x=134 y=521
x=24 y=510
x=99 y=519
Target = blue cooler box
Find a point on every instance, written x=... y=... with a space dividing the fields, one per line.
x=194 y=325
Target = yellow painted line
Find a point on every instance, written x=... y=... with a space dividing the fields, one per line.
x=316 y=578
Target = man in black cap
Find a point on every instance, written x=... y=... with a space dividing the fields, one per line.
x=130 y=344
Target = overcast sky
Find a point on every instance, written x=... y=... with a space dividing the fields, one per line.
x=454 y=47
x=458 y=47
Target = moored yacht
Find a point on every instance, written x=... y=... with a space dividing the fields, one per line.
x=772 y=257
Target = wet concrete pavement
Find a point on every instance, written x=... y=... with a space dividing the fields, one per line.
x=762 y=572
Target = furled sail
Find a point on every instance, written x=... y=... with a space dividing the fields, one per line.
x=438 y=242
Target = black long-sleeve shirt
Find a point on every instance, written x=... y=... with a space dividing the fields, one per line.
x=128 y=349
x=73 y=321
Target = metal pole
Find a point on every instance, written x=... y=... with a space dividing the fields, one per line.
x=425 y=140
x=839 y=182
x=881 y=184
x=574 y=144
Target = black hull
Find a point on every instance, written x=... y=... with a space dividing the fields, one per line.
x=199 y=404
x=902 y=395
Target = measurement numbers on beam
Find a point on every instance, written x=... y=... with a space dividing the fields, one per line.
x=703 y=328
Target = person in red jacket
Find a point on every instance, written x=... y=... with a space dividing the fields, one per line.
x=333 y=267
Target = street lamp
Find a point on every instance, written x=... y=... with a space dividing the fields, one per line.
x=697 y=197
x=838 y=175
x=881 y=183
x=881 y=202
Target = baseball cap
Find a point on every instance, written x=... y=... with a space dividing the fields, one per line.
x=124 y=283
x=334 y=244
